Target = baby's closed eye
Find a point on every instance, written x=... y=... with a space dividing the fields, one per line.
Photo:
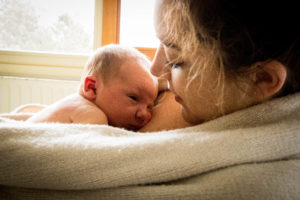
x=133 y=97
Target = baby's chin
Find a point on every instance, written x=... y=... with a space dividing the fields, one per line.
x=128 y=126
x=132 y=127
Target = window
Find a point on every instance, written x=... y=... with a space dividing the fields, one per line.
x=42 y=25
x=25 y=51
x=135 y=16
x=136 y=24
x=52 y=39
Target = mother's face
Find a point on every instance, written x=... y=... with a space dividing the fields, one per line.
x=201 y=98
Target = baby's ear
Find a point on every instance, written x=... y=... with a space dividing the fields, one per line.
x=270 y=78
x=90 y=87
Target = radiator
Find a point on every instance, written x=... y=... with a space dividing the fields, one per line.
x=16 y=91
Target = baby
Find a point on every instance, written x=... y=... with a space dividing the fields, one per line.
x=116 y=88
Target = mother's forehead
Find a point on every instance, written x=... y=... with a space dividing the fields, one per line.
x=159 y=8
x=166 y=24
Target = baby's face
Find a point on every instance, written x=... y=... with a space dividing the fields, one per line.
x=127 y=99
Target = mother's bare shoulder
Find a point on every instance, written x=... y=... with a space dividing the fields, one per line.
x=166 y=115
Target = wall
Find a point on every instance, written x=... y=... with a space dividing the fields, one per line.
x=16 y=91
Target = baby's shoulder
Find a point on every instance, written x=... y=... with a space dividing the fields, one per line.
x=73 y=102
x=86 y=111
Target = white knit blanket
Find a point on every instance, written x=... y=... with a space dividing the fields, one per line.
x=249 y=154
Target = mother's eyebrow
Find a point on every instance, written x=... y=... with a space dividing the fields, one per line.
x=169 y=44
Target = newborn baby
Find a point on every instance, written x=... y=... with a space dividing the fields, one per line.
x=116 y=88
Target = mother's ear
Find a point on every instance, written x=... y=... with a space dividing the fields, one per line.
x=90 y=87
x=270 y=78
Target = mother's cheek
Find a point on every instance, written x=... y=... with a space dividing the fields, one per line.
x=178 y=81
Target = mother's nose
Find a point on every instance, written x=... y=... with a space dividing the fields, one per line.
x=158 y=63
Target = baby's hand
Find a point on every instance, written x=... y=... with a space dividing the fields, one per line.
x=162 y=84
x=162 y=88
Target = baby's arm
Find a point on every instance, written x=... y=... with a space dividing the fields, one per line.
x=23 y=112
x=71 y=109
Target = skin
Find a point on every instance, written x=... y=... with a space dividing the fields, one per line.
x=128 y=98
x=166 y=115
x=199 y=102
x=177 y=77
x=71 y=109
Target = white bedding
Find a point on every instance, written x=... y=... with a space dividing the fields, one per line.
x=250 y=154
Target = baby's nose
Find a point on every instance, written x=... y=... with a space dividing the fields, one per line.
x=143 y=116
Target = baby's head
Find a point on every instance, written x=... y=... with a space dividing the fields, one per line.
x=118 y=80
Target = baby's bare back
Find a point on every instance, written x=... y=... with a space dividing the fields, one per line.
x=71 y=109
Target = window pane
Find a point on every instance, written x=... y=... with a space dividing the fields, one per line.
x=136 y=24
x=47 y=25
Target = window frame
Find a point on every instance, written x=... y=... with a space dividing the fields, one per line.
x=41 y=64
x=111 y=25
x=50 y=65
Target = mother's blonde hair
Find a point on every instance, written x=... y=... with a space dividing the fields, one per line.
x=232 y=36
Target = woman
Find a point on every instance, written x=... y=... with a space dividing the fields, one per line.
x=233 y=68
x=220 y=57
x=223 y=57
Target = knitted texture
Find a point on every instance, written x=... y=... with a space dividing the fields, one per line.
x=250 y=154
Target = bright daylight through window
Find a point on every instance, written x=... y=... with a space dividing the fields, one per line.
x=136 y=24
x=64 y=26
